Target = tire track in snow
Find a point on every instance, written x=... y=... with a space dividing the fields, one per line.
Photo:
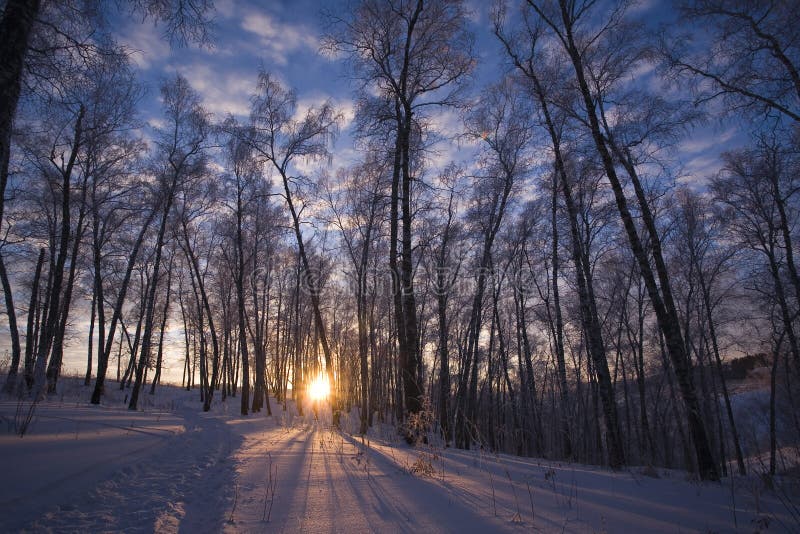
x=324 y=486
x=287 y=449
x=184 y=486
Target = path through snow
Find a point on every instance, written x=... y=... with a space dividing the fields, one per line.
x=115 y=470
x=87 y=468
x=327 y=482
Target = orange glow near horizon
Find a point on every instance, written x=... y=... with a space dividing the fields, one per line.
x=319 y=389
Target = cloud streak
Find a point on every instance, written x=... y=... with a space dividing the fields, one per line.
x=279 y=39
x=145 y=44
x=222 y=90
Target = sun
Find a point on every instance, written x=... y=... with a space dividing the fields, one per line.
x=319 y=388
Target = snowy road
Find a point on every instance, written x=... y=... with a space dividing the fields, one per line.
x=327 y=482
x=308 y=478
x=88 y=469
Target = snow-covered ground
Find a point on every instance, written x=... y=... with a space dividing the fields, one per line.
x=170 y=467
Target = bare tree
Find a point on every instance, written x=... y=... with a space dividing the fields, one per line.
x=356 y=212
x=544 y=79
x=590 y=51
x=179 y=157
x=243 y=171
x=417 y=54
x=752 y=60
x=501 y=124
x=193 y=206
x=447 y=265
x=701 y=233
x=59 y=167
x=56 y=27
x=745 y=187
x=278 y=138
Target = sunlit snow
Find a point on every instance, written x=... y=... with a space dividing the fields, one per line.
x=170 y=468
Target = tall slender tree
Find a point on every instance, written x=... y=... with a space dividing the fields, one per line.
x=567 y=21
x=418 y=55
x=279 y=139
x=180 y=157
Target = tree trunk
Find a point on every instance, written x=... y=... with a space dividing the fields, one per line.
x=33 y=312
x=54 y=367
x=163 y=326
x=240 y=311
x=442 y=293
x=772 y=412
x=589 y=319
x=201 y=286
x=16 y=26
x=102 y=361
x=394 y=271
x=149 y=311
x=412 y=390
x=313 y=288
x=666 y=314
x=712 y=332
x=559 y=329
x=87 y=379
x=53 y=299
x=16 y=351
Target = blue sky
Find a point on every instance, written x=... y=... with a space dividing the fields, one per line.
x=284 y=37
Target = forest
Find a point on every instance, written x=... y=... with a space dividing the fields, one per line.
x=523 y=263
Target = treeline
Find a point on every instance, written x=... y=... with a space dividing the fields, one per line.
x=565 y=292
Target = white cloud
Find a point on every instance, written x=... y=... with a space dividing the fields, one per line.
x=145 y=44
x=343 y=157
x=476 y=10
x=641 y=70
x=221 y=91
x=701 y=167
x=279 y=39
x=342 y=153
x=705 y=140
x=156 y=122
x=306 y=166
x=642 y=6
x=225 y=8
x=344 y=106
x=348 y=110
x=693 y=182
x=447 y=121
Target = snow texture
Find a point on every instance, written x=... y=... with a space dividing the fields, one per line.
x=172 y=468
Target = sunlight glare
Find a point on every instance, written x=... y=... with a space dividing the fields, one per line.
x=319 y=388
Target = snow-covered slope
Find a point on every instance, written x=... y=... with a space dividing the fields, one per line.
x=170 y=468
